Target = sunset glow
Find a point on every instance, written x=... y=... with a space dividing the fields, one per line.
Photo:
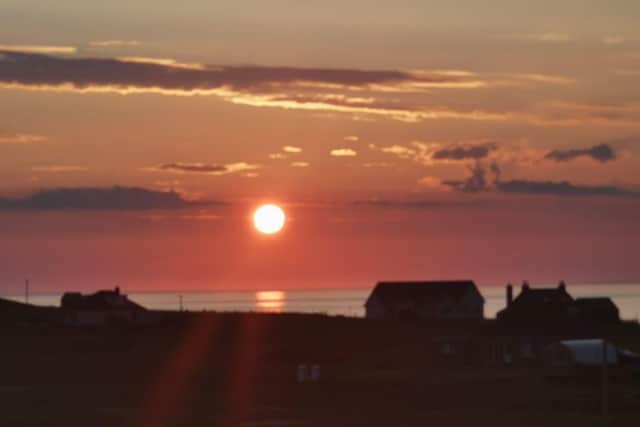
x=423 y=131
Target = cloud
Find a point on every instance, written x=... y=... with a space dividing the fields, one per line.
x=362 y=94
x=116 y=198
x=550 y=37
x=563 y=188
x=601 y=153
x=299 y=164
x=426 y=204
x=543 y=78
x=343 y=152
x=431 y=183
x=34 y=69
x=277 y=156
x=315 y=89
x=359 y=107
x=398 y=150
x=37 y=49
x=613 y=40
x=464 y=151
x=59 y=168
x=114 y=43
x=481 y=178
x=565 y=113
x=428 y=153
x=21 y=138
x=351 y=138
x=628 y=73
x=165 y=62
x=291 y=149
x=204 y=168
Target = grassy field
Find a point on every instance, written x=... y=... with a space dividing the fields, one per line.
x=240 y=370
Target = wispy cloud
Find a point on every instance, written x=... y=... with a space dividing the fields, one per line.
x=204 y=168
x=549 y=37
x=314 y=89
x=361 y=94
x=37 y=49
x=628 y=73
x=59 y=168
x=165 y=62
x=613 y=40
x=351 y=138
x=114 y=43
x=300 y=164
x=21 y=138
x=601 y=153
x=428 y=153
x=343 y=152
x=291 y=149
x=542 y=78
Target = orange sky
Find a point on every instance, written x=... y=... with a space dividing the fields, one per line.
x=406 y=139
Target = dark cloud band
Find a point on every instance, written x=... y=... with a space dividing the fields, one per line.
x=602 y=153
x=116 y=198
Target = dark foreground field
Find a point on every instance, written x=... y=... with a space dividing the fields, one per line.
x=240 y=370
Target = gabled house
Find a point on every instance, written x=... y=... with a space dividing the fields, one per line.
x=439 y=300
x=101 y=308
x=555 y=307
x=540 y=306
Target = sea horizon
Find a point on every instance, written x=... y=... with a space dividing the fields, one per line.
x=330 y=301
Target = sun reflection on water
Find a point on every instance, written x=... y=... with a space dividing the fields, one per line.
x=270 y=301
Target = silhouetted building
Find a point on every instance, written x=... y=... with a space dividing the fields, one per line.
x=539 y=306
x=555 y=307
x=101 y=308
x=425 y=300
x=598 y=310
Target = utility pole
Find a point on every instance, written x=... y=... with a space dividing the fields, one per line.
x=26 y=291
x=180 y=300
x=605 y=378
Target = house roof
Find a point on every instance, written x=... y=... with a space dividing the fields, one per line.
x=534 y=303
x=423 y=292
x=591 y=305
x=101 y=300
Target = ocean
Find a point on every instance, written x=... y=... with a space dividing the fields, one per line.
x=347 y=302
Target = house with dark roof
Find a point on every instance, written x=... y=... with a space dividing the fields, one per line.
x=100 y=308
x=431 y=300
x=538 y=317
x=599 y=310
x=552 y=306
x=555 y=307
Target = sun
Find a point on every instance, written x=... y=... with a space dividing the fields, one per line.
x=269 y=219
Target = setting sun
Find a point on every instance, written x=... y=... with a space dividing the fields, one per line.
x=269 y=219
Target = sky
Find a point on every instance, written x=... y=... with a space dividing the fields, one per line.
x=405 y=140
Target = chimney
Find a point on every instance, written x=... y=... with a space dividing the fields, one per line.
x=525 y=286
x=117 y=290
x=562 y=286
x=509 y=294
